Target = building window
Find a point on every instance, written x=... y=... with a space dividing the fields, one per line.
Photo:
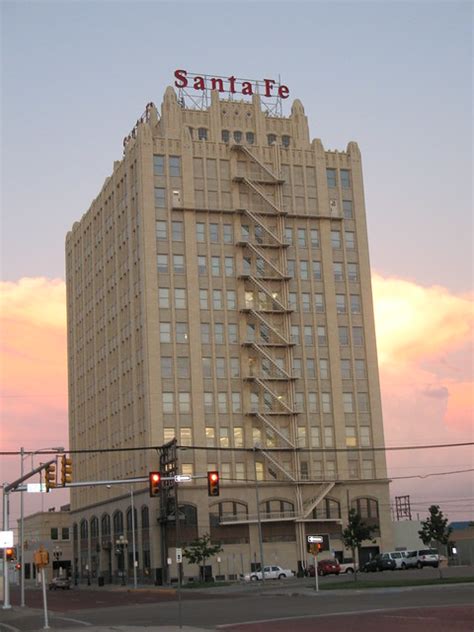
x=178 y=264
x=345 y=179
x=271 y=139
x=206 y=367
x=183 y=366
x=217 y=299
x=317 y=270
x=363 y=402
x=336 y=238
x=352 y=272
x=225 y=134
x=250 y=137
x=288 y=235
x=54 y=533
x=232 y=333
x=160 y=197
x=166 y=366
x=202 y=133
x=304 y=270
x=350 y=240
x=202 y=264
x=229 y=266
x=163 y=297
x=360 y=369
x=331 y=178
x=346 y=369
x=219 y=333
x=203 y=304
x=214 y=233
x=365 y=441
x=358 y=336
x=162 y=263
x=228 y=233
x=319 y=303
x=322 y=339
x=312 y=402
x=208 y=402
x=205 y=333
x=355 y=304
x=65 y=533
x=231 y=299
x=234 y=367
x=165 y=332
x=314 y=237
x=159 y=165
x=168 y=434
x=184 y=403
x=343 y=335
x=285 y=140
x=215 y=266
x=167 y=402
x=328 y=437
x=177 y=231
x=200 y=232
x=348 y=401
x=187 y=469
x=347 y=209
x=340 y=303
x=308 y=335
x=315 y=437
x=326 y=402
x=301 y=237
x=180 y=298
x=238 y=136
x=306 y=300
x=181 y=332
x=186 y=436
x=291 y=268
x=224 y=440
x=210 y=436
x=175 y=166
x=324 y=369
x=161 y=231
x=338 y=271
x=295 y=334
x=236 y=403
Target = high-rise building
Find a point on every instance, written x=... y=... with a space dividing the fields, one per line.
x=219 y=293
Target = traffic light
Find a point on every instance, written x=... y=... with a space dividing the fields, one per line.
x=66 y=470
x=11 y=554
x=18 y=566
x=154 y=480
x=213 y=483
x=50 y=476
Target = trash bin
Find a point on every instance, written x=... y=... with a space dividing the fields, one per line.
x=100 y=581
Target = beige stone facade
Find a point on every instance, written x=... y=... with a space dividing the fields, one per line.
x=219 y=292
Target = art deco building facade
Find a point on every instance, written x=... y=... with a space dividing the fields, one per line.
x=219 y=292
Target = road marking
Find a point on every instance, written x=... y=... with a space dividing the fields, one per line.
x=9 y=627
x=73 y=620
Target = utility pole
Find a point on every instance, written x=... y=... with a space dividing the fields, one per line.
x=22 y=540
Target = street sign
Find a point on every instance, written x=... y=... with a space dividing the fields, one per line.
x=179 y=556
x=6 y=539
x=315 y=539
x=183 y=478
x=35 y=488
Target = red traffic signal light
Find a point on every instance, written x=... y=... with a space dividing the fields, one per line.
x=213 y=483
x=11 y=554
x=154 y=480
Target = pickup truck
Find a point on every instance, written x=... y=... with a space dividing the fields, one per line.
x=271 y=572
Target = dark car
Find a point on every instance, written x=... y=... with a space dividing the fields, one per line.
x=379 y=563
x=325 y=567
x=60 y=582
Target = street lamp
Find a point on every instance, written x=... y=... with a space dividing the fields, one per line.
x=134 y=547
x=122 y=543
x=22 y=537
x=57 y=554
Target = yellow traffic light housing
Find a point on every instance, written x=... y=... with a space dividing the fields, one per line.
x=213 y=483
x=154 y=480
x=66 y=470
x=50 y=476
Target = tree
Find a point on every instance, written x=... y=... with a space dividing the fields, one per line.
x=201 y=550
x=435 y=529
x=356 y=532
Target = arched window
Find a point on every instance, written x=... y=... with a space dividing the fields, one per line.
x=118 y=523
x=129 y=518
x=285 y=140
x=271 y=139
x=238 y=136
x=225 y=135
x=366 y=507
x=145 y=517
x=105 y=525
x=94 y=527
x=328 y=509
x=84 y=530
x=277 y=508
x=250 y=137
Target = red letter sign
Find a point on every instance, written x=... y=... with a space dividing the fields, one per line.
x=180 y=75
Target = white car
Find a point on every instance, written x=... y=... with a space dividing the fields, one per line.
x=271 y=572
x=421 y=558
x=347 y=566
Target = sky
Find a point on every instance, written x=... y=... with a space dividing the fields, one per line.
x=394 y=76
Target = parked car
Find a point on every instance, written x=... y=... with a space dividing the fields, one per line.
x=421 y=558
x=348 y=566
x=271 y=572
x=379 y=563
x=398 y=557
x=325 y=567
x=60 y=582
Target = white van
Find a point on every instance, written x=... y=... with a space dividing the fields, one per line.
x=398 y=557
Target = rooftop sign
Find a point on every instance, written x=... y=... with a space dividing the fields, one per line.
x=232 y=85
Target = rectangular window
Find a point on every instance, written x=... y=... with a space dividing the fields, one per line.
x=183 y=366
x=220 y=368
x=288 y=235
x=184 y=403
x=348 y=401
x=308 y=335
x=177 y=231
x=222 y=404
x=346 y=373
x=310 y=367
x=215 y=266
x=202 y=265
x=331 y=178
x=65 y=533
x=180 y=298
x=299 y=402
x=167 y=402
x=301 y=436
x=160 y=197
x=319 y=303
x=231 y=299
x=343 y=336
x=210 y=437
x=229 y=266
x=181 y=332
x=186 y=436
x=240 y=471
x=166 y=366
x=358 y=336
x=292 y=300
x=203 y=300
x=312 y=402
x=234 y=367
x=244 y=232
x=345 y=179
x=350 y=240
x=228 y=234
x=54 y=533
x=162 y=263
x=163 y=297
x=324 y=369
x=295 y=334
x=351 y=438
x=290 y=266
x=360 y=371
x=347 y=209
x=232 y=334
x=338 y=271
x=200 y=232
x=367 y=469
x=214 y=233
x=363 y=402
x=217 y=299
x=208 y=402
x=296 y=367
x=301 y=237
x=355 y=304
x=315 y=437
x=187 y=469
x=336 y=238
x=175 y=166
x=207 y=367
x=304 y=270
x=178 y=264
x=317 y=270
x=365 y=440
x=236 y=403
x=159 y=165
x=326 y=402
x=224 y=440
x=161 y=230
x=340 y=303
x=352 y=272
x=322 y=339
x=314 y=237
x=328 y=437
x=168 y=434
x=205 y=333
x=219 y=333
x=306 y=300
x=165 y=332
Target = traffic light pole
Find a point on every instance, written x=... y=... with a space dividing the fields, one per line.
x=6 y=585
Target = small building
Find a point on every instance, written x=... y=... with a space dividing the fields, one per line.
x=461 y=542
x=52 y=530
x=405 y=535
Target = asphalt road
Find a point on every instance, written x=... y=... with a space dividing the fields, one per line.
x=283 y=607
